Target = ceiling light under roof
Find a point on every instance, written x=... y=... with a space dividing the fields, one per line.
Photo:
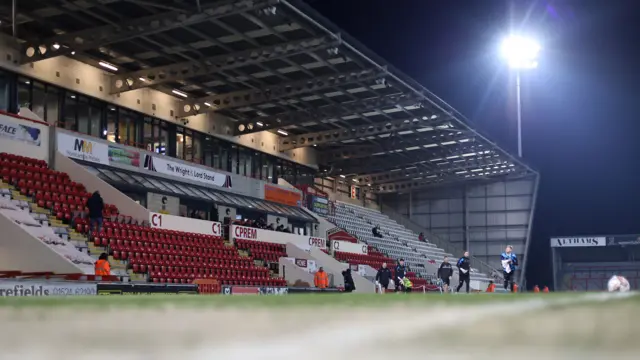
x=107 y=65
x=282 y=132
x=179 y=93
x=342 y=176
x=259 y=123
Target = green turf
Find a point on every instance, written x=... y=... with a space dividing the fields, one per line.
x=298 y=300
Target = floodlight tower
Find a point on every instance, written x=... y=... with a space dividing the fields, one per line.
x=520 y=53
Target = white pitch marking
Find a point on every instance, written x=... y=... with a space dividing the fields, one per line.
x=334 y=342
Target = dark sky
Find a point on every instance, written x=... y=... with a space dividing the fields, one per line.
x=581 y=107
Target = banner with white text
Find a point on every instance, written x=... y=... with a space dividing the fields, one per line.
x=277 y=237
x=179 y=223
x=81 y=148
x=12 y=288
x=165 y=166
x=349 y=247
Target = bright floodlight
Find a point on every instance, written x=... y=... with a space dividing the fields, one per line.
x=520 y=52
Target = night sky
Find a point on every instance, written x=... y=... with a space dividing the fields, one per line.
x=581 y=118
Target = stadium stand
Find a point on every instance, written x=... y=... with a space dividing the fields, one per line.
x=160 y=255
x=423 y=258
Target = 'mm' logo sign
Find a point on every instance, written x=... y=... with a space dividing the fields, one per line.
x=80 y=148
x=83 y=146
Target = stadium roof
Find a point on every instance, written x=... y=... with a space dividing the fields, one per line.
x=272 y=65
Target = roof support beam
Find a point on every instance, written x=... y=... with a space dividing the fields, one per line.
x=324 y=113
x=418 y=123
x=407 y=185
x=94 y=38
x=413 y=172
x=397 y=144
x=275 y=92
x=420 y=160
x=189 y=69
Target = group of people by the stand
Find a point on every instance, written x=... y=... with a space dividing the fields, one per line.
x=386 y=277
x=509 y=262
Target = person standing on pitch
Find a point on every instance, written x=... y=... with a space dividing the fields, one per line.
x=401 y=272
x=382 y=277
x=464 y=270
x=509 y=265
x=444 y=273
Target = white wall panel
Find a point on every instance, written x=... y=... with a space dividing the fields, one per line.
x=496 y=214
x=496 y=219
x=439 y=220
x=517 y=218
x=521 y=202
x=477 y=204
x=496 y=204
x=496 y=189
x=520 y=187
x=477 y=219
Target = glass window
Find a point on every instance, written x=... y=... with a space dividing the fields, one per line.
x=83 y=115
x=95 y=119
x=161 y=148
x=197 y=148
x=39 y=100
x=69 y=115
x=171 y=186
x=92 y=170
x=127 y=177
x=24 y=93
x=180 y=142
x=198 y=193
x=256 y=165
x=233 y=158
x=188 y=145
x=127 y=129
x=148 y=137
x=111 y=175
x=244 y=167
x=213 y=195
x=53 y=105
x=225 y=163
x=207 y=150
x=5 y=83
x=143 y=181
x=112 y=120
x=269 y=206
x=157 y=184
x=267 y=168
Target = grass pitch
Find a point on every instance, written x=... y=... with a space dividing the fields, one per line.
x=322 y=327
x=286 y=301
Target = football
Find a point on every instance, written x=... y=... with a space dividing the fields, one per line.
x=618 y=284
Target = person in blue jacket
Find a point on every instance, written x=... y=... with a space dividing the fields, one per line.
x=509 y=262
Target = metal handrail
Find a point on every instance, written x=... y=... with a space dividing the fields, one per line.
x=446 y=245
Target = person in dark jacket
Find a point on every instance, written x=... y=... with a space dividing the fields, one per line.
x=445 y=271
x=95 y=205
x=509 y=262
x=376 y=231
x=401 y=272
x=349 y=284
x=464 y=270
x=383 y=276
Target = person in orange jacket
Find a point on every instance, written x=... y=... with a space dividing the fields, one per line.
x=491 y=288
x=102 y=267
x=545 y=289
x=536 y=289
x=321 y=279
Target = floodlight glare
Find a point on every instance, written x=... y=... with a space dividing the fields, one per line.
x=520 y=52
